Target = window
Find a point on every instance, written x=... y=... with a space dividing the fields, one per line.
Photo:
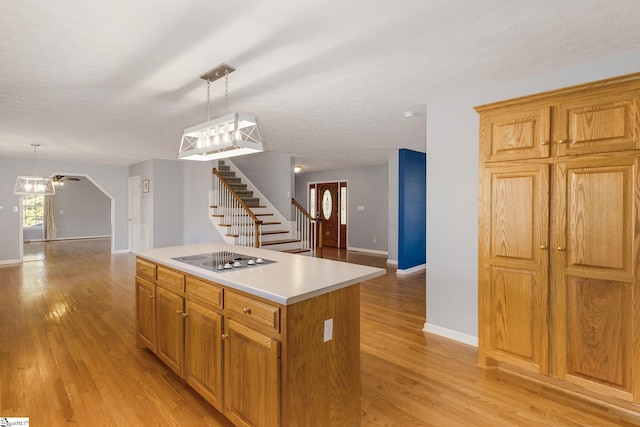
x=343 y=205
x=327 y=204
x=32 y=211
x=312 y=202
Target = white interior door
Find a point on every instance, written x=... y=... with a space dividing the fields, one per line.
x=134 y=213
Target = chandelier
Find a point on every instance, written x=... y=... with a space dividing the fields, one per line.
x=34 y=185
x=231 y=135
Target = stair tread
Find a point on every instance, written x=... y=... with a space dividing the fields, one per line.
x=296 y=251
x=277 y=242
x=267 y=233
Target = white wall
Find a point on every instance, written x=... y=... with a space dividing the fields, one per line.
x=198 y=181
x=272 y=174
x=81 y=210
x=452 y=191
x=392 y=201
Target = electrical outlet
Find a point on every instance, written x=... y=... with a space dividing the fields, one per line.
x=375 y=239
x=328 y=330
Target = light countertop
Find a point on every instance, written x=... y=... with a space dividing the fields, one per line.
x=292 y=278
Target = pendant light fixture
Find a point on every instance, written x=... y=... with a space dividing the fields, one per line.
x=34 y=185
x=231 y=135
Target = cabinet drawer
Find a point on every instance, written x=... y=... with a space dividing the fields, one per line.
x=252 y=309
x=146 y=269
x=170 y=279
x=205 y=291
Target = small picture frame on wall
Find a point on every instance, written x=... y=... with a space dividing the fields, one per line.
x=145 y=186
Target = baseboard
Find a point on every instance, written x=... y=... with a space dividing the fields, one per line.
x=10 y=261
x=371 y=251
x=121 y=251
x=451 y=334
x=392 y=261
x=411 y=270
x=58 y=239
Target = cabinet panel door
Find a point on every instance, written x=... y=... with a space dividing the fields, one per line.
x=145 y=313
x=203 y=352
x=598 y=124
x=596 y=294
x=170 y=328
x=251 y=377
x=514 y=266
x=519 y=134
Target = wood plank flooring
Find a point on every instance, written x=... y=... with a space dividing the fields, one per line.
x=68 y=356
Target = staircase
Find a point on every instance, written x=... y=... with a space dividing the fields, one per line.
x=245 y=217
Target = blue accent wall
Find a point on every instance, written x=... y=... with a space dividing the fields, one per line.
x=412 y=209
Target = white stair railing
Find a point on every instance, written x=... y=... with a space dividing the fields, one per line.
x=242 y=225
x=305 y=228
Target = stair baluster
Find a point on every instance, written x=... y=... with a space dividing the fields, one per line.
x=241 y=223
x=306 y=229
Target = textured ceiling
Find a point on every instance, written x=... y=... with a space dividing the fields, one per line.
x=117 y=81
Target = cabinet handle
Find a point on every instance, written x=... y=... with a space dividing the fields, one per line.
x=151 y=297
x=545 y=143
x=143 y=269
x=246 y=310
x=179 y=312
x=224 y=336
x=562 y=248
x=543 y=247
x=562 y=141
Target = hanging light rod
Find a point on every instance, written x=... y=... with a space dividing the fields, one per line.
x=233 y=134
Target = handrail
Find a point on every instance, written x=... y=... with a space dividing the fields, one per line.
x=257 y=222
x=295 y=203
x=307 y=229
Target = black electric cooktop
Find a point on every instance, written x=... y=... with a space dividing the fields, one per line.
x=221 y=262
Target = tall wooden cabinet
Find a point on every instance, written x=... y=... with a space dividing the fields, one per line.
x=559 y=296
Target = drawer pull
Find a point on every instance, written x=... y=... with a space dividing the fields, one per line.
x=544 y=142
x=224 y=336
x=562 y=141
x=562 y=248
x=246 y=310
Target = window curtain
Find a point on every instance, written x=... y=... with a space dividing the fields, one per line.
x=49 y=222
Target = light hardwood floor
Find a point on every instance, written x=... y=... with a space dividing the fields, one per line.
x=68 y=356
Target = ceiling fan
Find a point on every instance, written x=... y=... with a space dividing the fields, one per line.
x=60 y=179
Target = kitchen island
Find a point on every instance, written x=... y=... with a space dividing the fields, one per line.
x=273 y=339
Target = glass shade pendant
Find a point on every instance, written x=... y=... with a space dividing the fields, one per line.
x=34 y=185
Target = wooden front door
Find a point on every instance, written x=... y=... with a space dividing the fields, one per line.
x=328 y=210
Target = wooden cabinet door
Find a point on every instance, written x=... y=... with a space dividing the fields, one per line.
x=251 y=376
x=514 y=266
x=170 y=329
x=596 y=295
x=597 y=124
x=145 y=313
x=515 y=134
x=203 y=352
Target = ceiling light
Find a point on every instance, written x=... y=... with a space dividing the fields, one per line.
x=297 y=169
x=231 y=135
x=34 y=185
